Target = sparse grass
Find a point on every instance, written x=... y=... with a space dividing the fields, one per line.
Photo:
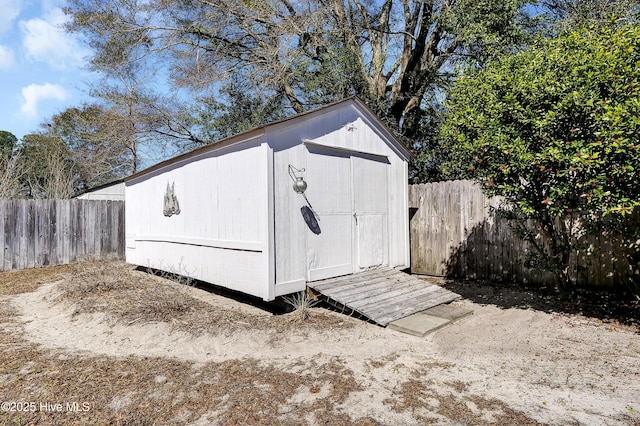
x=28 y=280
x=142 y=390
x=147 y=390
x=302 y=303
x=120 y=291
x=131 y=296
x=458 y=386
x=421 y=399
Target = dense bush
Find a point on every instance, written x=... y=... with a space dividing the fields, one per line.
x=554 y=130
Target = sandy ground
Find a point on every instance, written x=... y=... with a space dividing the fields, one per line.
x=496 y=365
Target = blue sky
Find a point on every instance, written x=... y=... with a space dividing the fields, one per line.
x=41 y=67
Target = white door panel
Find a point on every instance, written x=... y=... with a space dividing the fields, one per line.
x=372 y=237
x=370 y=207
x=348 y=193
x=328 y=175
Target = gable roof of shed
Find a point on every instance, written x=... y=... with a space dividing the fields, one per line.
x=245 y=136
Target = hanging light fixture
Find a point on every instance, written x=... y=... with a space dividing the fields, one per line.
x=299 y=184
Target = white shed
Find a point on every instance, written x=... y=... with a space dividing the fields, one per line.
x=228 y=214
x=109 y=191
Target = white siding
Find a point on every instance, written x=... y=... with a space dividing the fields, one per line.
x=330 y=252
x=241 y=224
x=344 y=126
x=220 y=235
x=290 y=231
x=399 y=212
x=371 y=205
x=111 y=192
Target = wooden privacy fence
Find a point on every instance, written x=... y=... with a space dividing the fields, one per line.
x=455 y=233
x=36 y=233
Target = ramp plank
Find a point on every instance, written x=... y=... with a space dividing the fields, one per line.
x=383 y=295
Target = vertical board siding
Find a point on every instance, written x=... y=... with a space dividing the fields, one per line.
x=454 y=232
x=37 y=233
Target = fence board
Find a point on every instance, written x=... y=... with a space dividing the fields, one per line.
x=5 y=217
x=3 y=210
x=118 y=235
x=78 y=232
x=64 y=213
x=36 y=233
x=22 y=226
x=455 y=233
x=31 y=229
x=9 y=234
x=104 y=227
x=43 y=237
x=90 y=234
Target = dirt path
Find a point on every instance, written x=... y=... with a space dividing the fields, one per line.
x=495 y=366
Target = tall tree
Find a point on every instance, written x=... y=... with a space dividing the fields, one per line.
x=78 y=148
x=233 y=111
x=49 y=171
x=570 y=14
x=8 y=142
x=397 y=55
x=11 y=183
x=10 y=170
x=149 y=124
x=95 y=141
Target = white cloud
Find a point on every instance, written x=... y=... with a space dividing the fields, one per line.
x=6 y=57
x=9 y=10
x=45 y=40
x=34 y=93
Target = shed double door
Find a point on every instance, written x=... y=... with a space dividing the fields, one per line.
x=348 y=193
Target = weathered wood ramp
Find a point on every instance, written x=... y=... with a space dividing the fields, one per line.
x=382 y=295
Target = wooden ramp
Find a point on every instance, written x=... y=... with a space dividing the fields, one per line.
x=382 y=295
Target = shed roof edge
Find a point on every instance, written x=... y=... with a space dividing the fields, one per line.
x=258 y=131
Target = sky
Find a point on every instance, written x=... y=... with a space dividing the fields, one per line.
x=42 y=68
